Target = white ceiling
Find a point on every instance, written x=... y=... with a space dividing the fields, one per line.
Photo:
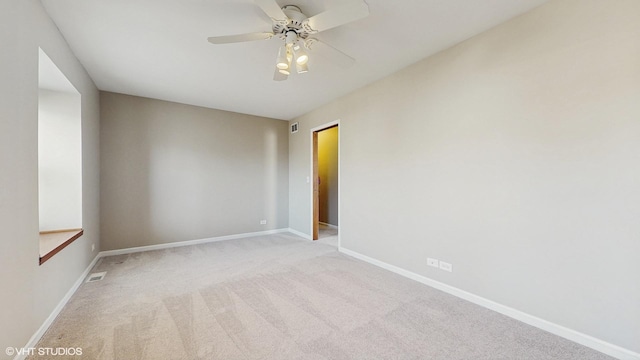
x=159 y=48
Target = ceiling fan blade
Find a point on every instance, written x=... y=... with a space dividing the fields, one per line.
x=272 y=9
x=278 y=76
x=240 y=38
x=329 y=52
x=337 y=16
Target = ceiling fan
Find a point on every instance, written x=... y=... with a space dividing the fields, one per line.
x=296 y=29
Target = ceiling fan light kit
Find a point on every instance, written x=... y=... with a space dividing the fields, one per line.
x=282 y=62
x=294 y=28
x=302 y=68
x=301 y=55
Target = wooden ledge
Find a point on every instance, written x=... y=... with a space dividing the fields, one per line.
x=51 y=242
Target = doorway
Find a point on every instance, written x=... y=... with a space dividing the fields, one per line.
x=325 y=184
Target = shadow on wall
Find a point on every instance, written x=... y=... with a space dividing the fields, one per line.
x=270 y=192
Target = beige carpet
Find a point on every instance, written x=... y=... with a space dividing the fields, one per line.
x=279 y=297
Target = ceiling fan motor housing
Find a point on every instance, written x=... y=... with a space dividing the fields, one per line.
x=293 y=29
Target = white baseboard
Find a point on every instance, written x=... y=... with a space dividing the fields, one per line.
x=575 y=336
x=301 y=234
x=188 y=242
x=327 y=224
x=56 y=311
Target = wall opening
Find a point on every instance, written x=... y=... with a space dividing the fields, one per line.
x=328 y=176
x=325 y=172
x=59 y=159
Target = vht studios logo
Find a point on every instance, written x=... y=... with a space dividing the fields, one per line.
x=44 y=351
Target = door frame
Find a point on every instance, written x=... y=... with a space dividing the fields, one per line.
x=313 y=184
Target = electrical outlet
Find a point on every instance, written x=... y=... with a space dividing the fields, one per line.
x=432 y=262
x=446 y=266
x=263 y=222
x=93 y=247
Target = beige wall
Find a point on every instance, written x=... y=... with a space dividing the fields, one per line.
x=513 y=156
x=173 y=172
x=31 y=292
x=328 y=174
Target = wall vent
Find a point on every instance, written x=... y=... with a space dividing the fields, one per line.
x=294 y=127
x=96 y=277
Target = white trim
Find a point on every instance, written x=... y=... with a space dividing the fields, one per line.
x=328 y=225
x=56 y=311
x=339 y=182
x=575 y=336
x=301 y=234
x=319 y=128
x=188 y=243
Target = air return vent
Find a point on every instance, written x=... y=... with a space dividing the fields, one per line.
x=96 y=276
x=294 y=128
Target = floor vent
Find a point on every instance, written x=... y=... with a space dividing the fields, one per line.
x=96 y=277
